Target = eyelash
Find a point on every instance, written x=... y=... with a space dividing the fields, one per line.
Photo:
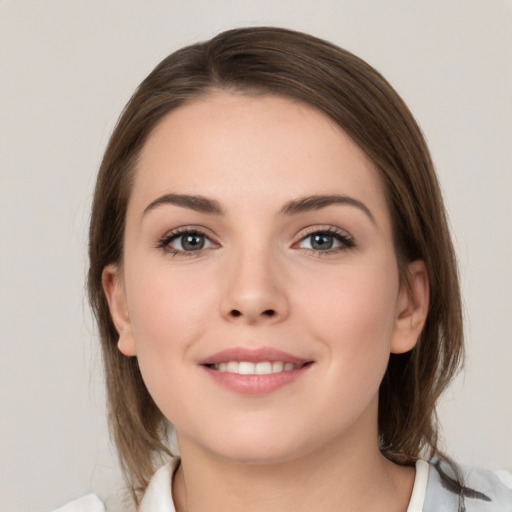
x=165 y=241
x=345 y=240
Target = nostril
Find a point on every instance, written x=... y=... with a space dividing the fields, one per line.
x=268 y=312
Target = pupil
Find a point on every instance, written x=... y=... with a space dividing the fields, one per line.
x=192 y=242
x=322 y=242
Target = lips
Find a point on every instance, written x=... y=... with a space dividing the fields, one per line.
x=254 y=370
x=252 y=355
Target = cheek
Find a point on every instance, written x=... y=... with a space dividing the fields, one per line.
x=167 y=308
x=169 y=312
x=355 y=319
x=168 y=315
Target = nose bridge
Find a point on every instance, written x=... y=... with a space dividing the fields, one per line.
x=254 y=290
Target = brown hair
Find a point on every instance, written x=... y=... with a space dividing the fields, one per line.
x=348 y=90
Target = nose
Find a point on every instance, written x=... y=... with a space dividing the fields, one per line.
x=254 y=290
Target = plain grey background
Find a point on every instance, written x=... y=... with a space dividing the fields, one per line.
x=67 y=69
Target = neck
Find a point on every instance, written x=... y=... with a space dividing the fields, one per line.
x=345 y=475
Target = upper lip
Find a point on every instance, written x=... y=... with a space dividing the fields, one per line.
x=252 y=355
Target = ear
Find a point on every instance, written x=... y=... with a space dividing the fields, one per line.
x=116 y=297
x=412 y=308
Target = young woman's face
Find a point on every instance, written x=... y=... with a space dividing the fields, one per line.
x=259 y=288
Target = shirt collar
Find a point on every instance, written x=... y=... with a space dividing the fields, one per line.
x=158 y=495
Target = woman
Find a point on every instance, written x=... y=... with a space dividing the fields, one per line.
x=272 y=275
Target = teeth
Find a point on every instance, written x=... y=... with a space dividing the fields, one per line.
x=261 y=368
x=231 y=367
x=277 y=366
x=245 y=368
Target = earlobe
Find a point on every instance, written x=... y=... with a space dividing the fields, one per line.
x=116 y=298
x=412 y=308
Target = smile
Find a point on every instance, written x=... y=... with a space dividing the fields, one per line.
x=255 y=371
x=249 y=368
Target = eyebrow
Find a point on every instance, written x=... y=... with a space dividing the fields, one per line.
x=203 y=204
x=317 y=202
x=198 y=203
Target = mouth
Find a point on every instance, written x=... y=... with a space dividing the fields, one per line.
x=255 y=371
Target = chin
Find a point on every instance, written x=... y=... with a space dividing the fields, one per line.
x=258 y=454
x=259 y=446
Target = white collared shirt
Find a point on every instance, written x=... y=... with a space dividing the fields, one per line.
x=434 y=490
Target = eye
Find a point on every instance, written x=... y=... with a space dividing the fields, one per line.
x=185 y=241
x=326 y=241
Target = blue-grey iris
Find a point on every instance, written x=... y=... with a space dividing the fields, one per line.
x=192 y=242
x=321 y=242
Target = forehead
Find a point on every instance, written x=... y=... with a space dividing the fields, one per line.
x=235 y=146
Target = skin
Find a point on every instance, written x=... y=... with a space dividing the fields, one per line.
x=312 y=444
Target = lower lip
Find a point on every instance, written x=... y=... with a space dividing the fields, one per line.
x=256 y=384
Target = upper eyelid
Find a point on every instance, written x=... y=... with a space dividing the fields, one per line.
x=302 y=232
x=311 y=230
x=181 y=230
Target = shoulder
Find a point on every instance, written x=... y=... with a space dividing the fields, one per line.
x=457 y=488
x=89 y=503
x=157 y=497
